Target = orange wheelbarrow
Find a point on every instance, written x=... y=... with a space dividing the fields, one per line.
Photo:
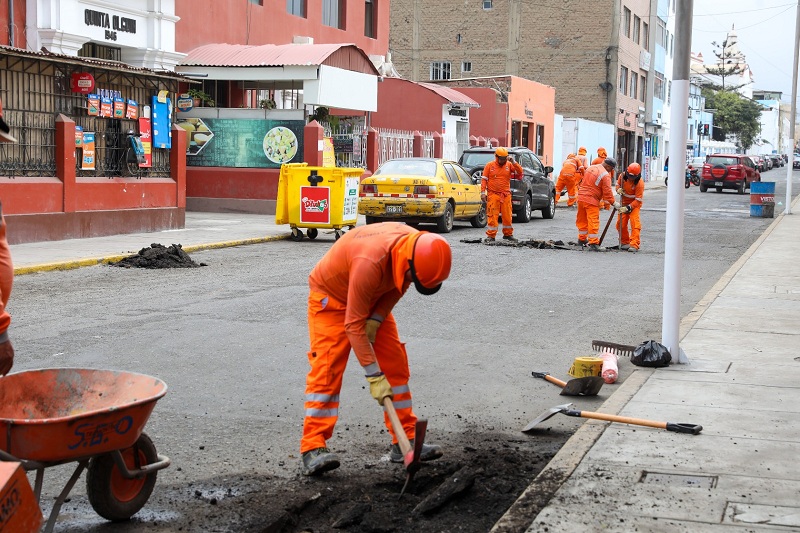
x=95 y=417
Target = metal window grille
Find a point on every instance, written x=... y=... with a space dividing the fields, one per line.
x=440 y=70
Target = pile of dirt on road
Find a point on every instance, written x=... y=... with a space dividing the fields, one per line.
x=528 y=243
x=159 y=256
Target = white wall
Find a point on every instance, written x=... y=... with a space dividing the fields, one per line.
x=577 y=132
x=558 y=138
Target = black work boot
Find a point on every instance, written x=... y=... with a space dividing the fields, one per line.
x=315 y=462
x=510 y=238
x=429 y=452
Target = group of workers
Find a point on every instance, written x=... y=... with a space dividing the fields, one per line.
x=590 y=188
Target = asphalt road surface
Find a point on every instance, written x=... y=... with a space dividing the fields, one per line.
x=230 y=340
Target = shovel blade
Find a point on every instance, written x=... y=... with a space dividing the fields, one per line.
x=586 y=386
x=544 y=416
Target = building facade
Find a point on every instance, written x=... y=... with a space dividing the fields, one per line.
x=588 y=52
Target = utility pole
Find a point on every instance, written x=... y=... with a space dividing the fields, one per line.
x=673 y=249
x=793 y=114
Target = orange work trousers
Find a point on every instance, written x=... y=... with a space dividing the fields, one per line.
x=588 y=222
x=623 y=221
x=571 y=184
x=330 y=350
x=499 y=204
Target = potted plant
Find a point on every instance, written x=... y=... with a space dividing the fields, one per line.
x=200 y=97
x=267 y=103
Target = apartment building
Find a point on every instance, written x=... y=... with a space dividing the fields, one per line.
x=595 y=54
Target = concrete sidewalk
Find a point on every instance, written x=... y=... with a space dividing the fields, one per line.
x=742 y=385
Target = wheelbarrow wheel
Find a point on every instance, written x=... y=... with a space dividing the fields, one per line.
x=111 y=495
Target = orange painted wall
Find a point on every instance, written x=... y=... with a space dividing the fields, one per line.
x=405 y=105
x=541 y=102
x=243 y=22
x=20 y=23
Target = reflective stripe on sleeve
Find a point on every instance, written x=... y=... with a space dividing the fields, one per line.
x=372 y=368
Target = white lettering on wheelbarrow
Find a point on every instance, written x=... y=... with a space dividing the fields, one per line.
x=93 y=434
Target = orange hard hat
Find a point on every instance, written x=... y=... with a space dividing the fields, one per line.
x=582 y=150
x=635 y=169
x=570 y=156
x=430 y=262
x=501 y=152
x=601 y=152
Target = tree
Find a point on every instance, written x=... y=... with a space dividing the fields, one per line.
x=734 y=115
x=727 y=66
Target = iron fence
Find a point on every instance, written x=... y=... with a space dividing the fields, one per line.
x=35 y=91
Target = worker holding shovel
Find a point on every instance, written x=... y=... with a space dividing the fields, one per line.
x=594 y=191
x=353 y=289
x=568 y=179
x=631 y=187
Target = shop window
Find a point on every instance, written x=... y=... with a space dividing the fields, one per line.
x=333 y=13
x=440 y=70
x=296 y=7
x=370 y=14
x=540 y=140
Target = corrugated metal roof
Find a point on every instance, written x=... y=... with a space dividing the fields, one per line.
x=451 y=95
x=94 y=62
x=265 y=55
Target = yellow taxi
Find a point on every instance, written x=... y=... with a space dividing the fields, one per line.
x=419 y=190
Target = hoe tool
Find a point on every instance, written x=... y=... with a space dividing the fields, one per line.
x=411 y=455
x=694 y=429
x=586 y=386
x=610 y=218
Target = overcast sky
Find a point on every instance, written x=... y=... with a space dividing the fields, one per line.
x=766 y=36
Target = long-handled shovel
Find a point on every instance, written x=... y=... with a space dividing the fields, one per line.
x=693 y=429
x=411 y=456
x=586 y=386
x=610 y=218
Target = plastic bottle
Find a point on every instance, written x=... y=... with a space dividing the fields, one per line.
x=610 y=370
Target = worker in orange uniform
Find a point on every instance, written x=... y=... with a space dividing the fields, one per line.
x=496 y=191
x=595 y=189
x=602 y=155
x=568 y=180
x=353 y=289
x=631 y=187
x=583 y=158
x=6 y=273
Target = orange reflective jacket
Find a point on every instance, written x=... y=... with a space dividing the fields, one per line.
x=632 y=190
x=569 y=170
x=497 y=178
x=6 y=278
x=596 y=186
x=366 y=271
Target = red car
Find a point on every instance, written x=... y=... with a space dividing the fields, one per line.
x=728 y=171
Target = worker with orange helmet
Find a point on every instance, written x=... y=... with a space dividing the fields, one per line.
x=601 y=156
x=630 y=186
x=496 y=190
x=353 y=289
x=583 y=158
x=568 y=180
x=594 y=190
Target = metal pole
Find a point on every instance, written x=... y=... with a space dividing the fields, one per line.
x=673 y=248
x=793 y=115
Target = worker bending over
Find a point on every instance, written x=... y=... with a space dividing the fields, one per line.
x=595 y=189
x=631 y=187
x=568 y=179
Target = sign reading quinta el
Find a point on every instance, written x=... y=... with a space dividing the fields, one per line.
x=111 y=23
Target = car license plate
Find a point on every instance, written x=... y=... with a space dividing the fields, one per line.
x=717 y=184
x=394 y=209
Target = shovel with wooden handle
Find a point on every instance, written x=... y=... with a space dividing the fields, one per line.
x=693 y=429
x=586 y=386
x=411 y=455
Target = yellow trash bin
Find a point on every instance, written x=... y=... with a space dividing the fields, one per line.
x=317 y=198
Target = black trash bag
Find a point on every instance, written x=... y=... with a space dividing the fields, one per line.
x=651 y=353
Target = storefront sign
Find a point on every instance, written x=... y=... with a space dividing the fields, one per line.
x=162 y=121
x=87 y=159
x=110 y=23
x=78 y=136
x=147 y=142
x=93 y=108
x=132 y=110
x=119 y=108
x=82 y=82
x=184 y=102
x=343 y=145
x=106 y=107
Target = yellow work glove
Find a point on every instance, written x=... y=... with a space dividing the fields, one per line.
x=380 y=388
x=372 y=329
x=619 y=190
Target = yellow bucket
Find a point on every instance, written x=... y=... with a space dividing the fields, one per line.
x=586 y=366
